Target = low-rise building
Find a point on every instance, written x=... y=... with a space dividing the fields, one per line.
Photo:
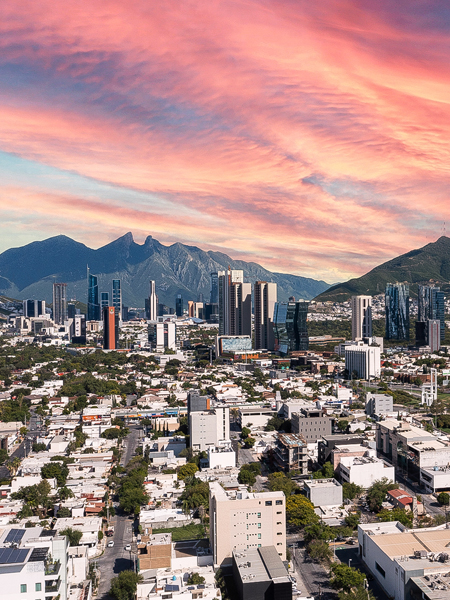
x=291 y=453
x=365 y=470
x=311 y=424
x=323 y=492
x=259 y=574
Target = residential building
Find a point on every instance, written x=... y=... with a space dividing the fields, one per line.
x=401 y=499
x=311 y=424
x=364 y=470
x=408 y=565
x=428 y=333
x=93 y=305
x=323 y=492
x=328 y=443
x=209 y=428
x=60 y=303
x=151 y=303
x=221 y=457
x=110 y=328
x=78 y=329
x=265 y=299
x=363 y=360
x=117 y=297
x=290 y=326
x=259 y=574
x=291 y=453
x=235 y=304
x=33 y=564
x=377 y=404
x=431 y=306
x=397 y=311
x=241 y=520
x=361 y=317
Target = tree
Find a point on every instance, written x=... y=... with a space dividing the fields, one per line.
x=124 y=586
x=23 y=431
x=319 y=550
x=279 y=482
x=195 y=579
x=73 y=535
x=250 y=442
x=64 y=512
x=443 y=498
x=39 y=447
x=326 y=472
x=245 y=433
x=376 y=494
x=13 y=465
x=345 y=577
x=300 y=511
x=397 y=514
x=246 y=476
x=352 y=520
x=187 y=470
x=350 y=490
x=35 y=496
x=342 y=425
x=57 y=471
x=317 y=531
x=111 y=434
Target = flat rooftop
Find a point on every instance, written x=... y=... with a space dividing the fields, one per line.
x=321 y=483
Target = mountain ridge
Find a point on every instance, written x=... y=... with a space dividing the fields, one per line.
x=29 y=271
x=429 y=264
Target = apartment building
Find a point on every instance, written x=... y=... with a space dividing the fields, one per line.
x=241 y=520
x=311 y=424
x=209 y=428
x=33 y=564
x=291 y=453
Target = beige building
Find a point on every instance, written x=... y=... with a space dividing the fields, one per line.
x=240 y=520
x=209 y=428
x=265 y=298
x=361 y=317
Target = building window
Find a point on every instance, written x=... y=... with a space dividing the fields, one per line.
x=268 y=502
x=38 y=587
x=259 y=515
x=279 y=533
x=278 y=502
x=278 y=512
x=259 y=536
x=23 y=588
x=380 y=569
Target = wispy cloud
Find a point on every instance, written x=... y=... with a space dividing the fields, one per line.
x=312 y=137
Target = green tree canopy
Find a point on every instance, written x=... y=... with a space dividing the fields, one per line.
x=376 y=494
x=187 y=470
x=345 y=578
x=124 y=586
x=55 y=470
x=300 y=511
x=443 y=498
x=74 y=535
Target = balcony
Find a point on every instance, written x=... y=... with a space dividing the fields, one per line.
x=52 y=568
x=51 y=587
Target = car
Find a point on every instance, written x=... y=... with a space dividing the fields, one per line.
x=128 y=547
x=110 y=543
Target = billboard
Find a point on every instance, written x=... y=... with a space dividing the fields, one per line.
x=234 y=343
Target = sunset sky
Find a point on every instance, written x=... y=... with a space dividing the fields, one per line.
x=311 y=137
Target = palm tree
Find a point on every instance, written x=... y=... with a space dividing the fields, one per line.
x=13 y=465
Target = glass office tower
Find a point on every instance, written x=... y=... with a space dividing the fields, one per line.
x=117 y=297
x=431 y=303
x=290 y=326
x=397 y=311
x=93 y=307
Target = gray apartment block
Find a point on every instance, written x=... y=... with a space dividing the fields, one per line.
x=379 y=403
x=323 y=492
x=311 y=424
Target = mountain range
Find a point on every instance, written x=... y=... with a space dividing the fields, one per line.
x=430 y=264
x=30 y=271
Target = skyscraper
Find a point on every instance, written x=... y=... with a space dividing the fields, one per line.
x=110 y=328
x=397 y=311
x=431 y=306
x=71 y=310
x=93 y=306
x=234 y=298
x=59 y=303
x=117 y=297
x=290 y=326
x=33 y=308
x=214 y=293
x=265 y=299
x=361 y=317
x=151 y=303
x=104 y=301
x=179 y=309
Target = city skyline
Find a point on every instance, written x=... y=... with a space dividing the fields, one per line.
x=255 y=129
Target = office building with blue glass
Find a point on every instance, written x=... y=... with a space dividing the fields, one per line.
x=397 y=311
x=93 y=305
x=431 y=306
x=290 y=326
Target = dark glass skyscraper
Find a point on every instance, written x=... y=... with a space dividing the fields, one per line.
x=104 y=302
x=431 y=303
x=179 y=306
x=214 y=293
x=397 y=311
x=93 y=307
x=290 y=327
x=117 y=297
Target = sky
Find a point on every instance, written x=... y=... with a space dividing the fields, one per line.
x=310 y=137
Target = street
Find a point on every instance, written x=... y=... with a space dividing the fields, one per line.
x=117 y=559
x=312 y=577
